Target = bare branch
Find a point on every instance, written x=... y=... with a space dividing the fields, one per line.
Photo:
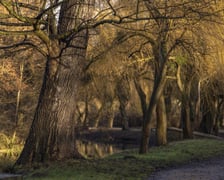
x=24 y=43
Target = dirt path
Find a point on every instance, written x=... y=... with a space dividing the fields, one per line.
x=10 y=177
x=212 y=169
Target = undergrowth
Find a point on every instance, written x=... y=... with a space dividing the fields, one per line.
x=10 y=148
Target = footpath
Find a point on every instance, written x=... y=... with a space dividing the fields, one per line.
x=212 y=169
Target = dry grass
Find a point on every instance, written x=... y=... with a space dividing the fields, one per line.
x=10 y=148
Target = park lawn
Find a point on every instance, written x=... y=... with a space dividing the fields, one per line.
x=129 y=164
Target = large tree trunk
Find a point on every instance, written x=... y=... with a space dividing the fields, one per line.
x=51 y=135
x=161 y=127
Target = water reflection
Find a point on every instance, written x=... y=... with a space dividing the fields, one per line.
x=99 y=150
x=95 y=150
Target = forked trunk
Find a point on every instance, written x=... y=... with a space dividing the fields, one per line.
x=156 y=94
x=159 y=51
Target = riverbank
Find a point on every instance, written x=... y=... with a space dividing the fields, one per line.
x=129 y=164
x=125 y=164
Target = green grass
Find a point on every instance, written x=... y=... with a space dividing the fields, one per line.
x=129 y=164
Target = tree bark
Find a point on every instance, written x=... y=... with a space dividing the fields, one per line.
x=142 y=96
x=110 y=114
x=168 y=101
x=186 y=117
x=210 y=113
x=123 y=94
x=186 y=110
x=159 y=51
x=52 y=135
x=98 y=116
x=198 y=107
x=161 y=127
x=157 y=91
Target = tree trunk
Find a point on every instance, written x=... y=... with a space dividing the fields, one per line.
x=123 y=94
x=142 y=96
x=168 y=102
x=207 y=118
x=110 y=115
x=86 y=113
x=97 y=118
x=198 y=107
x=124 y=118
x=159 y=51
x=110 y=121
x=186 y=117
x=161 y=127
x=98 y=112
x=186 y=110
x=146 y=129
x=207 y=121
x=219 y=116
x=51 y=136
x=210 y=113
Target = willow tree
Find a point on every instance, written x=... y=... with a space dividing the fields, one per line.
x=211 y=89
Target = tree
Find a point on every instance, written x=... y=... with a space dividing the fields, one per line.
x=166 y=32
x=185 y=87
x=109 y=73
x=123 y=94
x=52 y=131
x=212 y=102
x=62 y=38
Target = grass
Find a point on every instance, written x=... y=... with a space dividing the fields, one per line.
x=129 y=164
